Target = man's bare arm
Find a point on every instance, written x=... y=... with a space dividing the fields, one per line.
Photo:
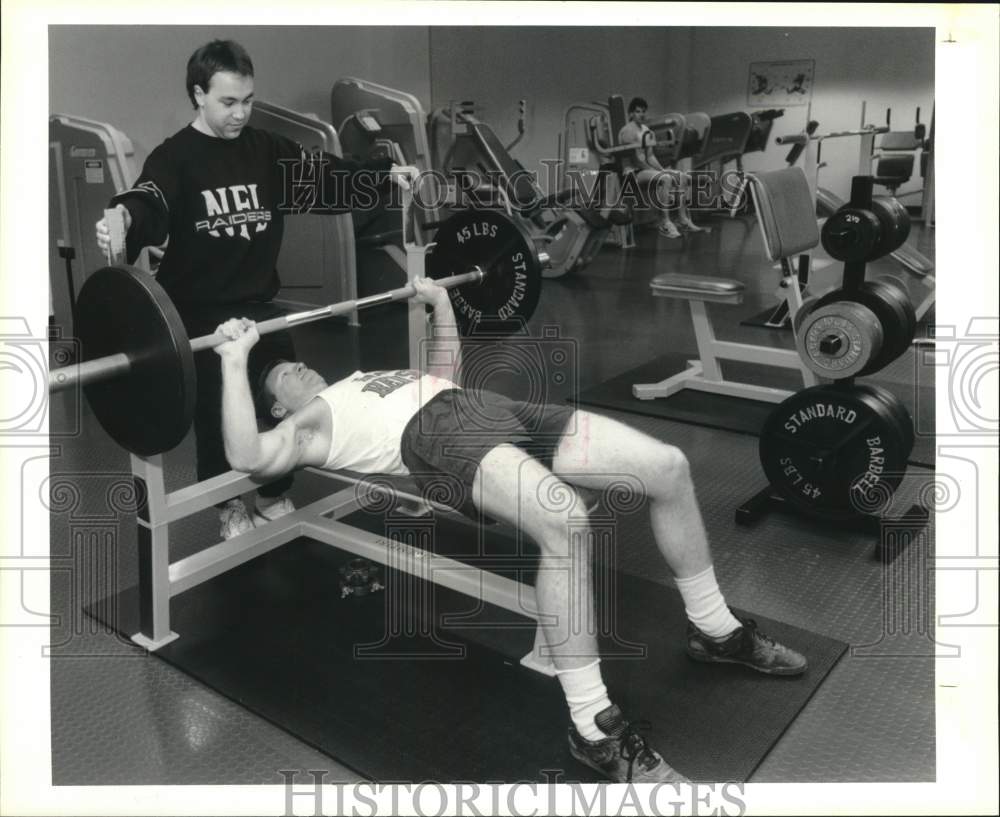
x=269 y=453
x=441 y=352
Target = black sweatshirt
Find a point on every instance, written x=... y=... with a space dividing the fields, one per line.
x=222 y=203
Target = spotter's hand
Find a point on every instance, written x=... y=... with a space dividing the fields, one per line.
x=403 y=175
x=104 y=234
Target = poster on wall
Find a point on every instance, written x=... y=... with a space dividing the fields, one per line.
x=786 y=83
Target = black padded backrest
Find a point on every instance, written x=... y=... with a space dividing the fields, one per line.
x=697 y=127
x=521 y=187
x=896 y=166
x=727 y=137
x=618 y=116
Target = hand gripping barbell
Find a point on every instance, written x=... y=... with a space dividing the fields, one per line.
x=138 y=367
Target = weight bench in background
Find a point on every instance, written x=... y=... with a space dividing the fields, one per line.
x=784 y=209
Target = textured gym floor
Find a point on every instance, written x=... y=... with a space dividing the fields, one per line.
x=120 y=716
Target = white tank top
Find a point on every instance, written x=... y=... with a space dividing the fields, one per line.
x=370 y=411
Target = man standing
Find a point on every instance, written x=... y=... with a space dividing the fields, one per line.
x=218 y=189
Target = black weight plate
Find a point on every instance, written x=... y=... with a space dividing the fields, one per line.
x=891 y=311
x=808 y=305
x=150 y=409
x=833 y=452
x=895 y=223
x=851 y=234
x=904 y=422
x=905 y=321
x=906 y=305
x=501 y=246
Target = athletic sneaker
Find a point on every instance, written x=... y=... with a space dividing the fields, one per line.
x=669 y=230
x=234 y=519
x=746 y=645
x=689 y=226
x=281 y=507
x=623 y=756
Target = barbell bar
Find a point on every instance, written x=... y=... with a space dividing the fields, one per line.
x=121 y=364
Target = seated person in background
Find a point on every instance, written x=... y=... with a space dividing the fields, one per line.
x=403 y=423
x=643 y=165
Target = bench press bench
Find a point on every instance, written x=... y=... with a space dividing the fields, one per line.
x=160 y=580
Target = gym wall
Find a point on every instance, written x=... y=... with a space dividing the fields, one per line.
x=552 y=68
x=133 y=76
x=887 y=67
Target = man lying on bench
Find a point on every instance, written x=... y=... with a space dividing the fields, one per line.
x=405 y=422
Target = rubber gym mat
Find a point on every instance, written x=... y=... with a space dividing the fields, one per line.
x=734 y=413
x=431 y=704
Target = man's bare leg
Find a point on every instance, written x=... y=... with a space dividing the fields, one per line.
x=595 y=454
x=512 y=486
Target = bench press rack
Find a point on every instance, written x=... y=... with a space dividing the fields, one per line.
x=160 y=579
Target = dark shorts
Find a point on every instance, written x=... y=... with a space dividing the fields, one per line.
x=445 y=441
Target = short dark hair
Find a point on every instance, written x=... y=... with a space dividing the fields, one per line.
x=218 y=55
x=637 y=102
x=263 y=398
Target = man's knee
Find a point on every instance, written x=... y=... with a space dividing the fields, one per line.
x=669 y=471
x=558 y=518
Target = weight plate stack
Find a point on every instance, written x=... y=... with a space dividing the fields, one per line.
x=892 y=307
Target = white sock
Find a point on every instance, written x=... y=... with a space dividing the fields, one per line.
x=586 y=696
x=704 y=604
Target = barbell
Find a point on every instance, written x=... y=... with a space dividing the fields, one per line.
x=110 y=281
x=137 y=367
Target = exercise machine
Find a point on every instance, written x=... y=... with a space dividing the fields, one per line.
x=318 y=258
x=730 y=137
x=484 y=174
x=89 y=163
